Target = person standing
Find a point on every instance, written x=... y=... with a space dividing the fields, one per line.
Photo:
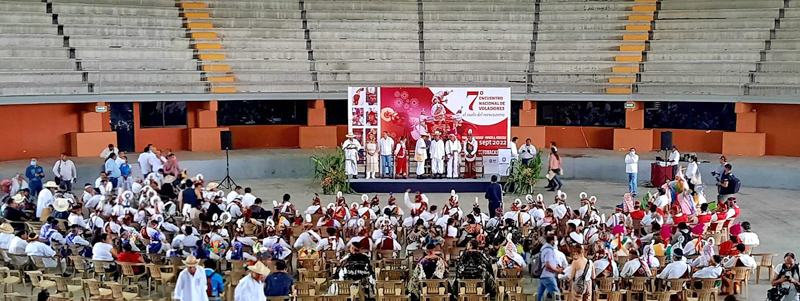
x=674 y=160
x=581 y=269
x=372 y=156
x=470 y=150
x=112 y=170
x=527 y=151
x=251 y=287
x=693 y=173
x=46 y=199
x=421 y=154
x=632 y=169
x=35 y=174
x=495 y=196
x=351 y=147
x=192 y=283
x=555 y=168
x=65 y=172
x=437 y=156
x=279 y=283
x=144 y=161
x=550 y=269
x=721 y=169
x=453 y=150
x=725 y=185
x=401 y=155
x=513 y=146
x=386 y=147
x=171 y=167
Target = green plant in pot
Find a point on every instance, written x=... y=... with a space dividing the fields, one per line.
x=329 y=169
x=523 y=177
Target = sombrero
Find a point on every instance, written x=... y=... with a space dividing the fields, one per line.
x=191 y=261
x=259 y=268
x=50 y=184
x=61 y=204
x=6 y=228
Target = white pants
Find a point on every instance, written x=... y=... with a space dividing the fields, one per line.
x=452 y=166
x=437 y=166
x=421 y=168
x=350 y=168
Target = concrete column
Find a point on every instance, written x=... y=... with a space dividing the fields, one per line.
x=317 y=134
x=634 y=135
x=93 y=135
x=203 y=132
x=746 y=141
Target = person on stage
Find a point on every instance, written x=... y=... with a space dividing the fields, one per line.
x=351 y=147
x=470 y=153
x=421 y=154
x=437 y=156
x=453 y=150
x=400 y=154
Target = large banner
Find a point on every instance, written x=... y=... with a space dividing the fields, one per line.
x=412 y=111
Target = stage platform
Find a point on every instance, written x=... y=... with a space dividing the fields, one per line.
x=583 y=164
x=399 y=186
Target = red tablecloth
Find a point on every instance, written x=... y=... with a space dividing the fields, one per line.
x=661 y=174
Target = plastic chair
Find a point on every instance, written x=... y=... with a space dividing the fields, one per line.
x=38 y=262
x=63 y=286
x=118 y=291
x=306 y=288
x=741 y=276
x=433 y=287
x=100 y=267
x=80 y=265
x=766 y=262
x=10 y=278
x=390 y=275
x=390 y=288
x=639 y=285
x=508 y=286
x=95 y=289
x=657 y=296
x=471 y=290
x=38 y=281
x=129 y=274
x=702 y=295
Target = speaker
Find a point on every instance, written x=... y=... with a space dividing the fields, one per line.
x=666 y=140
x=226 y=139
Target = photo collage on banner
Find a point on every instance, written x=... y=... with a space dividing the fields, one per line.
x=363 y=113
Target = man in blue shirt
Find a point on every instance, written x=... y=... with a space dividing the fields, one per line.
x=547 y=281
x=495 y=196
x=34 y=173
x=279 y=283
x=112 y=170
x=217 y=283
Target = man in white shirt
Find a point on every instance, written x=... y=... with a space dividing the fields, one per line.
x=156 y=160
x=421 y=154
x=513 y=146
x=747 y=237
x=741 y=260
x=712 y=271
x=633 y=266
x=351 y=147
x=65 y=171
x=437 y=156
x=144 y=161
x=386 y=147
x=309 y=238
x=251 y=287
x=6 y=235
x=674 y=158
x=632 y=169
x=108 y=151
x=248 y=199
x=332 y=242
x=46 y=197
x=527 y=151
x=18 y=243
x=37 y=248
x=677 y=269
x=453 y=149
x=236 y=192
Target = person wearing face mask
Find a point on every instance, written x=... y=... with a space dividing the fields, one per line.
x=632 y=169
x=34 y=173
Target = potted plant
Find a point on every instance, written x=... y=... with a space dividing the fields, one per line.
x=330 y=171
x=523 y=177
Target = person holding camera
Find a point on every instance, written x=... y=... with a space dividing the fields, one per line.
x=786 y=280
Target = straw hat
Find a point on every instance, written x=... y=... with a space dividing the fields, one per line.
x=6 y=228
x=18 y=198
x=212 y=185
x=350 y=135
x=259 y=268
x=61 y=204
x=191 y=261
x=50 y=184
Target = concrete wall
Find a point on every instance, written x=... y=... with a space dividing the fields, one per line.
x=37 y=130
x=780 y=124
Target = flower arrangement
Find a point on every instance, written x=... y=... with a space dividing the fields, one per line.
x=330 y=171
x=523 y=177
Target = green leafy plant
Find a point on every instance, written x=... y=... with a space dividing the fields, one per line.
x=523 y=177
x=329 y=169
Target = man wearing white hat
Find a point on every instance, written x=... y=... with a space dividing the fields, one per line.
x=46 y=199
x=470 y=150
x=421 y=154
x=251 y=287
x=61 y=207
x=351 y=147
x=192 y=283
x=6 y=235
x=437 y=156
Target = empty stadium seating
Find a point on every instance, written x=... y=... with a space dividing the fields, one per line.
x=720 y=47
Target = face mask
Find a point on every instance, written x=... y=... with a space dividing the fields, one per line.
x=33 y=163
x=633 y=152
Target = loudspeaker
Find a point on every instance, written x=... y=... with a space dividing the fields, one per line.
x=666 y=140
x=226 y=139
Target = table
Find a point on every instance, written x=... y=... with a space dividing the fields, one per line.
x=661 y=174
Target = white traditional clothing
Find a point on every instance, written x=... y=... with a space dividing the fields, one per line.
x=45 y=200
x=249 y=289
x=248 y=200
x=437 y=156
x=709 y=272
x=36 y=248
x=420 y=155
x=192 y=287
x=746 y=260
x=453 y=150
x=274 y=241
x=675 y=269
x=307 y=239
x=372 y=160
x=351 y=147
x=632 y=266
x=331 y=243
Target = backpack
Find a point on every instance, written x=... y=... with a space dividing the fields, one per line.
x=209 y=288
x=579 y=286
x=536 y=266
x=734 y=184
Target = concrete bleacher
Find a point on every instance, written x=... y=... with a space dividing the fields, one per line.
x=478 y=43
x=779 y=73
x=364 y=43
x=707 y=47
x=579 y=43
